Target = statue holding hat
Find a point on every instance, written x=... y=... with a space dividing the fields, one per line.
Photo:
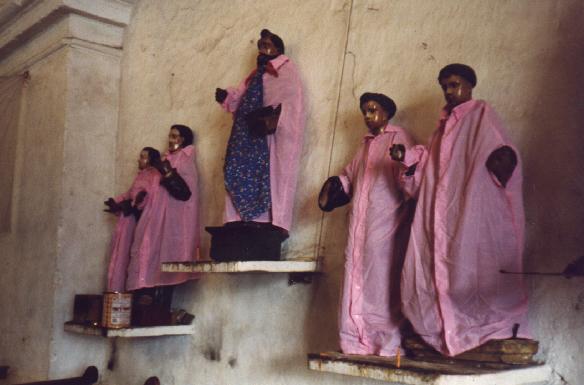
x=370 y=314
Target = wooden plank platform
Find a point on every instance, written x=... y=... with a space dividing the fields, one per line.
x=300 y=265
x=151 y=331
x=442 y=371
x=508 y=351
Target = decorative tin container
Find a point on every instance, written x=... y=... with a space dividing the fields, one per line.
x=117 y=310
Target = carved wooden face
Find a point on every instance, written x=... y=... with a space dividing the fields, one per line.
x=456 y=89
x=174 y=140
x=375 y=116
x=143 y=160
x=267 y=47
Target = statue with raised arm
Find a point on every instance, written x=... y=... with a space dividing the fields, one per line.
x=263 y=152
x=370 y=315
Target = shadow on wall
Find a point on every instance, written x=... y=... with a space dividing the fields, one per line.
x=421 y=118
x=553 y=151
x=553 y=154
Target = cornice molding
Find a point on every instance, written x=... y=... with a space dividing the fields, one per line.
x=52 y=24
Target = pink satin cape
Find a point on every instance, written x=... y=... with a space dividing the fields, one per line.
x=466 y=228
x=147 y=180
x=370 y=315
x=168 y=230
x=285 y=145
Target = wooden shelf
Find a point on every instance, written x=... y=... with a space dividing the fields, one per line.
x=442 y=371
x=150 y=331
x=301 y=265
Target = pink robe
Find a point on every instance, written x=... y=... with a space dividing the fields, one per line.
x=285 y=145
x=466 y=228
x=370 y=314
x=123 y=235
x=168 y=230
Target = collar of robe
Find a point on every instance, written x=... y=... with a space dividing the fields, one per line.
x=387 y=129
x=271 y=68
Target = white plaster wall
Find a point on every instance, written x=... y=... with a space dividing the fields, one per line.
x=64 y=169
x=88 y=177
x=29 y=252
x=177 y=54
x=254 y=329
x=527 y=56
x=251 y=329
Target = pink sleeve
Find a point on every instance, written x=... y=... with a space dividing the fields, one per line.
x=418 y=156
x=348 y=174
x=234 y=96
x=290 y=127
x=346 y=182
x=151 y=184
x=122 y=197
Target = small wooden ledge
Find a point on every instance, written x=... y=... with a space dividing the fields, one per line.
x=150 y=331
x=442 y=371
x=301 y=265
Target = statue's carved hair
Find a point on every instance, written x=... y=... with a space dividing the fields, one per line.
x=265 y=33
x=185 y=132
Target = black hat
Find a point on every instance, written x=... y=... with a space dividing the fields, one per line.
x=265 y=33
x=461 y=70
x=383 y=100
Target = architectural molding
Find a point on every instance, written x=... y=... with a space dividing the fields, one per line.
x=30 y=30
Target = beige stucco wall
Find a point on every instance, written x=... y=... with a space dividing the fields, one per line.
x=255 y=329
x=177 y=53
x=64 y=166
x=29 y=251
x=87 y=177
x=58 y=245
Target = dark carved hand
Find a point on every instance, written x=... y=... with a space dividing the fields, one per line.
x=112 y=206
x=140 y=197
x=501 y=163
x=220 y=95
x=397 y=152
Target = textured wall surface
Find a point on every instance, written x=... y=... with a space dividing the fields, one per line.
x=29 y=251
x=88 y=176
x=171 y=72
x=254 y=328
x=64 y=167
x=58 y=247
x=10 y=99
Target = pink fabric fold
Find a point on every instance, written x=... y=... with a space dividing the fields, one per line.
x=147 y=180
x=466 y=228
x=370 y=314
x=285 y=145
x=168 y=230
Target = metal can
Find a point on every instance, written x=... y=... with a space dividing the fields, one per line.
x=117 y=310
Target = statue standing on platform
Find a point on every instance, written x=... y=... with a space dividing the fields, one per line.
x=370 y=316
x=168 y=230
x=128 y=207
x=468 y=225
x=263 y=152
